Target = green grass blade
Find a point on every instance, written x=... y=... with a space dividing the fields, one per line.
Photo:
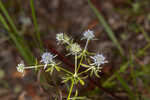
x=145 y=34
x=143 y=51
x=121 y=70
x=133 y=73
x=106 y=27
x=35 y=24
x=8 y=17
x=18 y=40
x=19 y=43
x=126 y=87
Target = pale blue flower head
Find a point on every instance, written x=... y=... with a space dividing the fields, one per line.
x=99 y=59
x=88 y=35
x=47 y=58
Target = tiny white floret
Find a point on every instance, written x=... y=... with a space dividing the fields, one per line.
x=99 y=59
x=20 y=67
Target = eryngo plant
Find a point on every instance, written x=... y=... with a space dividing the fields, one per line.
x=47 y=58
x=83 y=58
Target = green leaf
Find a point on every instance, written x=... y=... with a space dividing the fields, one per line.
x=84 y=65
x=81 y=81
x=48 y=69
x=65 y=80
x=57 y=68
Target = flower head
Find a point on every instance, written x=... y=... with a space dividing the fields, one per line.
x=99 y=59
x=47 y=58
x=62 y=38
x=75 y=48
x=88 y=34
x=20 y=68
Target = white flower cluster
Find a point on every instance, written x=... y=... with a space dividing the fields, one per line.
x=75 y=48
x=47 y=58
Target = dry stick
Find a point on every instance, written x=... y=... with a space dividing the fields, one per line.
x=69 y=64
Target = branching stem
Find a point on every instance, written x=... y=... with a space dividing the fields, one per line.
x=71 y=87
x=65 y=70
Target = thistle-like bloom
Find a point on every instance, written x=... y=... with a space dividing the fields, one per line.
x=20 y=67
x=75 y=49
x=47 y=58
x=62 y=38
x=88 y=35
x=99 y=59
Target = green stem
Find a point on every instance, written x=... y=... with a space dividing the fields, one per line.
x=65 y=70
x=71 y=87
x=80 y=62
x=84 y=71
x=83 y=53
x=87 y=42
x=76 y=63
x=29 y=67
x=85 y=65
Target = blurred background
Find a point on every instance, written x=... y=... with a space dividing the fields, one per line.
x=29 y=27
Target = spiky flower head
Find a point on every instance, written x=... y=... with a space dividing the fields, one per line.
x=47 y=58
x=88 y=35
x=75 y=48
x=99 y=59
x=62 y=38
x=20 y=67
